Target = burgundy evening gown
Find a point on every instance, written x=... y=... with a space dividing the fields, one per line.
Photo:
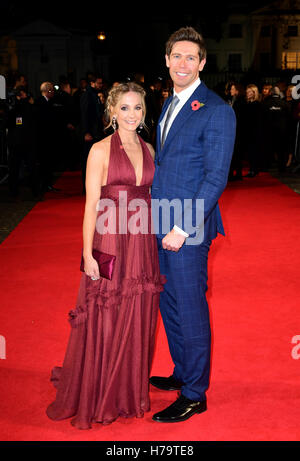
x=105 y=373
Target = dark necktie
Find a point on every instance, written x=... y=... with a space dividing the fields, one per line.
x=172 y=106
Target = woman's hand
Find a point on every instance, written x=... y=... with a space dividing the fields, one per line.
x=91 y=267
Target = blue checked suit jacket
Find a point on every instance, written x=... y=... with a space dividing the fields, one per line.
x=195 y=159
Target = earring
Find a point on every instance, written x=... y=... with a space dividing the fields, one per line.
x=114 y=123
x=141 y=126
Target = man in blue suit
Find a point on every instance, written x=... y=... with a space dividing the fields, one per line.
x=195 y=140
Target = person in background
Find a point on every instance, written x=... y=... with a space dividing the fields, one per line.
x=15 y=80
x=67 y=154
x=265 y=91
x=46 y=136
x=252 y=134
x=83 y=83
x=163 y=96
x=237 y=102
x=276 y=117
x=91 y=114
x=77 y=95
x=21 y=139
x=294 y=117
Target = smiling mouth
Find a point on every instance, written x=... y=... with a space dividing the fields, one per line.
x=181 y=74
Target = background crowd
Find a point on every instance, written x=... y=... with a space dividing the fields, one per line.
x=54 y=131
x=266 y=127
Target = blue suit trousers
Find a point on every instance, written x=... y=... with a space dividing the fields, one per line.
x=185 y=313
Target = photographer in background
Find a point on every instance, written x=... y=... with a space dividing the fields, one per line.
x=21 y=139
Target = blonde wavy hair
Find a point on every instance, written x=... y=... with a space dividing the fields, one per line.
x=115 y=94
x=254 y=88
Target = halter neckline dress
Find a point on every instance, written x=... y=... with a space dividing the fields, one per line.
x=105 y=372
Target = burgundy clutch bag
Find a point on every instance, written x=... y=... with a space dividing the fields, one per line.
x=105 y=261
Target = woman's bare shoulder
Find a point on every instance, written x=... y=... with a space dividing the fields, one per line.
x=101 y=148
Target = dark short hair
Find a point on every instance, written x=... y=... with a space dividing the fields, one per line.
x=188 y=34
x=93 y=78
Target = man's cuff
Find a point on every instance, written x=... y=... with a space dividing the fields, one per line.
x=180 y=231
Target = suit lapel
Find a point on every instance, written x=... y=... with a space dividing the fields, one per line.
x=164 y=109
x=200 y=94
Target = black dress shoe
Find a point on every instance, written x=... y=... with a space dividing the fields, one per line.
x=166 y=384
x=182 y=409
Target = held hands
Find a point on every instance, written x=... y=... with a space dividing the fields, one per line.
x=91 y=267
x=173 y=241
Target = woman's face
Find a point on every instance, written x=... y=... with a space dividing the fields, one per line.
x=250 y=94
x=289 y=94
x=129 y=111
x=101 y=97
x=233 y=90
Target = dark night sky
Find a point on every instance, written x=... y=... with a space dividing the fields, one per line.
x=132 y=42
x=111 y=13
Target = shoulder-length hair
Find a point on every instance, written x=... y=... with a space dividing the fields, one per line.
x=254 y=88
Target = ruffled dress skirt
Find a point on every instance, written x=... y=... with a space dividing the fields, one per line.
x=105 y=372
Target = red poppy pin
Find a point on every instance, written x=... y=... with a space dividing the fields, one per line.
x=196 y=105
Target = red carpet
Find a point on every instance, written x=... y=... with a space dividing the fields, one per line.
x=255 y=313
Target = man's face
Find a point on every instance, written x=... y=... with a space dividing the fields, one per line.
x=266 y=90
x=50 y=92
x=98 y=84
x=184 y=64
x=22 y=95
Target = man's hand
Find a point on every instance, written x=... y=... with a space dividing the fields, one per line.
x=173 y=241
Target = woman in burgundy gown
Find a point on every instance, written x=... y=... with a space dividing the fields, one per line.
x=105 y=373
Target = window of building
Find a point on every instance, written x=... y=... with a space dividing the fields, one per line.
x=265 y=31
x=235 y=62
x=292 y=31
x=265 y=61
x=290 y=60
x=235 y=30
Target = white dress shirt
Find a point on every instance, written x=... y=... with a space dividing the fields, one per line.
x=183 y=97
